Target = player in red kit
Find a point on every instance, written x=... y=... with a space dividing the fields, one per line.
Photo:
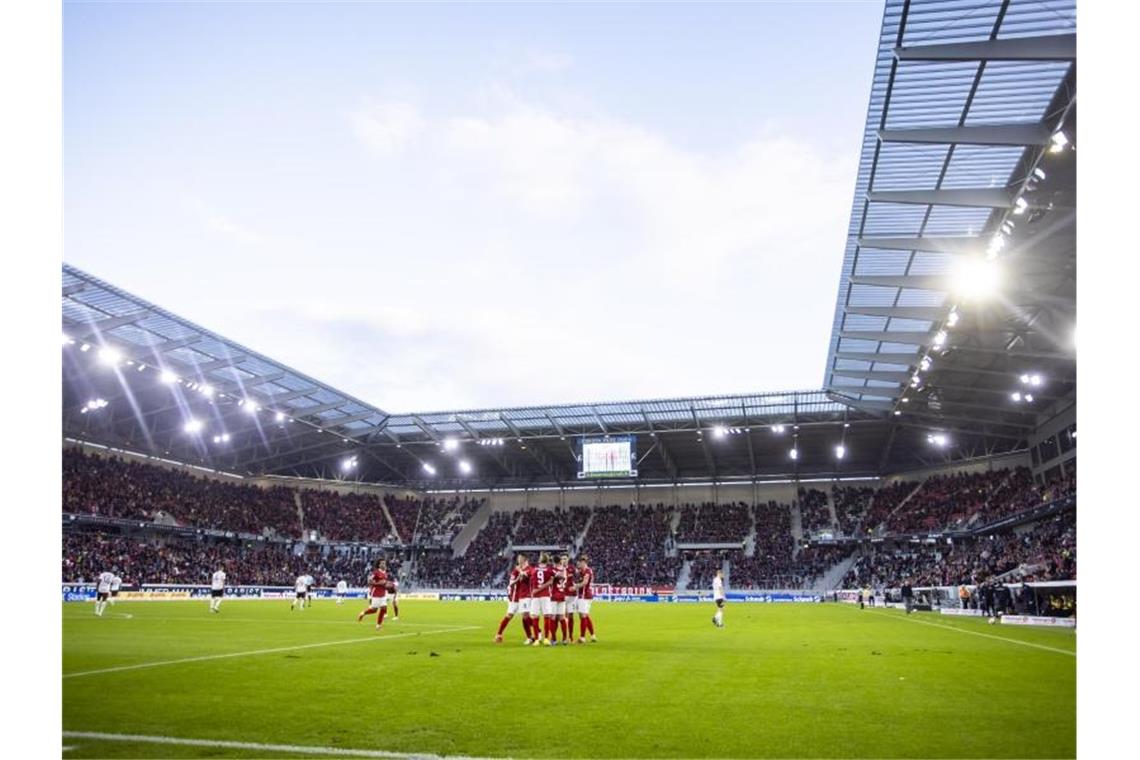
x=571 y=597
x=377 y=593
x=585 y=596
x=541 y=604
x=517 y=600
x=558 y=602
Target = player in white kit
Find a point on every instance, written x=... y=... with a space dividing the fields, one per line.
x=309 y=583
x=116 y=584
x=103 y=591
x=341 y=591
x=718 y=598
x=301 y=587
x=217 y=589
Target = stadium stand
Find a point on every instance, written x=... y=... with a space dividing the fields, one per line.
x=814 y=512
x=345 y=517
x=714 y=523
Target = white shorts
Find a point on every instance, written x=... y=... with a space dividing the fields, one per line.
x=513 y=607
x=541 y=605
x=378 y=601
x=571 y=605
x=583 y=606
x=560 y=608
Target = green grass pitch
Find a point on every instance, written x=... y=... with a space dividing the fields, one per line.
x=780 y=680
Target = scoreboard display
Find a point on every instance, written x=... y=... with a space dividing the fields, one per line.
x=611 y=456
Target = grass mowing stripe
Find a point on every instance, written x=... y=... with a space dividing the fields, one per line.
x=252 y=746
x=251 y=653
x=976 y=633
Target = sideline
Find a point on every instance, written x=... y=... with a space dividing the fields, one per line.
x=910 y=619
x=205 y=658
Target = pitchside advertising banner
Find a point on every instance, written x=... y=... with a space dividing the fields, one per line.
x=79 y=592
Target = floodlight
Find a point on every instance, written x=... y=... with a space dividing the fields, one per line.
x=794 y=454
x=924 y=364
x=1029 y=398
x=975 y=278
x=110 y=356
x=938 y=439
x=85 y=347
x=217 y=439
x=68 y=340
x=1025 y=379
x=450 y=444
x=840 y=451
x=168 y=377
x=251 y=407
x=1035 y=380
x=719 y=431
x=279 y=417
x=952 y=319
x=1016 y=396
x=1039 y=173
x=348 y=464
x=1020 y=205
x=778 y=429
x=464 y=466
x=192 y=425
x=939 y=338
x=206 y=390
x=1058 y=142
x=429 y=469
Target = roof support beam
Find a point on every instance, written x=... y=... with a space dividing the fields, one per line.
x=220 y=364
x=884 y=375
x=913 y=281
x=330 y=424
x=598 y=419
x=908 y=337
x=986 y=197
x=1057 y=47
x=263 y=380
x=908 y=360
x=999 y=134
x=309 y=411
x=282 y=397
x=110 y=323
x=927 y=313
x=71 y=290
x=963 y=245
x=666 y=457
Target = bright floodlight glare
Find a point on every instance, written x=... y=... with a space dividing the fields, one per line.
x=1025 y=379
x=429 y=469
x=924 y=364
x=840 y=451
x=85 y=347
x=225 y=437
x=280 y=416
x=217 y=439
x=465 y=467
x=794 y=454
x=168 y=377
x=450 y=444
x=777 y=429
x=1039 y=173
x=206 y=390
x=1029 y=398
x=192 y=425
x=110 y=356
x=952 y=320
x=348 y=464
x=975 y=278
x=1035 y=380
x=720 y=431
x=940 y=339
x=1020 y=205
x=937 y=439
x=1059 y=141
x=1016 y=396
x=251 y=407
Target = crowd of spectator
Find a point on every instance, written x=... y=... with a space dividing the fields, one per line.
x=851 y=504
x=345 y=517
x=815 y=515
x=704 y=564
x=946 y=500
x=404 y=512
x=714 y=523
x=885 y=501
x=440 y=520
x=170 y=559
x=626 y=545
x=1046 y=551
x=115 y=487
x=558 y=526
x=485 y=559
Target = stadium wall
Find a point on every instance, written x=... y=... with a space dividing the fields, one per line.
x=601 y=496
x=978 y=464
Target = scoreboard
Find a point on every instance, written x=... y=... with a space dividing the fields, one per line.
x=611 y=456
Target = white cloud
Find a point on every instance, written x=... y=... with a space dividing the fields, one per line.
x=384 y=127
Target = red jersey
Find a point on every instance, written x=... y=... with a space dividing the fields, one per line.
x=523 y=583
x=558 y=591
x=571 y=579
x=586 y=578
x=542 y=574
x=378 y=583
x=513 y=585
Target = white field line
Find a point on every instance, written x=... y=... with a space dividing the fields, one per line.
x=222 y=617
x=977 y=633
x=251 y=653
x=270 y=749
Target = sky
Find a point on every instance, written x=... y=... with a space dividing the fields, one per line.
x=446 y=206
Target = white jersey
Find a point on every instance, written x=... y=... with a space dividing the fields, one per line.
x=301 y=584
x=218 y=581
x=310 y=580
x=718 y=588
x=341 y=587
x=116 y=582
x=105 y=580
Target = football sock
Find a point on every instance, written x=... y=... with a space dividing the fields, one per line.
x=380 y=617
x=503 y=624
x=570 y=625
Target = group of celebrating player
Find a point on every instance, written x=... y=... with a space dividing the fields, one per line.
x=547 y=595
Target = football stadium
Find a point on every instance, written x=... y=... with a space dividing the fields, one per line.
x=256 y=563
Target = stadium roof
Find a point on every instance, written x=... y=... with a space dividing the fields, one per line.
x=967 y=173
x=959 y=149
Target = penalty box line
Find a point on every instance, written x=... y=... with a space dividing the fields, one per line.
x=251 y=653
x=273 y=749
x=909 y=619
